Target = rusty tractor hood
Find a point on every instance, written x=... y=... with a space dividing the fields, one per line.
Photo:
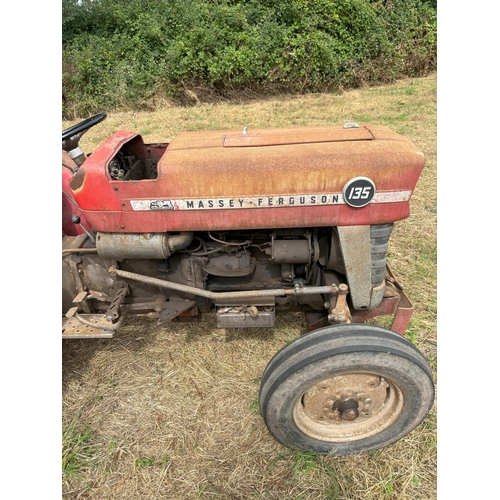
x=243 y=179
x=280 y=161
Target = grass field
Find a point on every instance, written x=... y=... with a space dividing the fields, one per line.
x=170 y=411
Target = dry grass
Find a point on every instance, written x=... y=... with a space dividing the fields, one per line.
x=171 y=412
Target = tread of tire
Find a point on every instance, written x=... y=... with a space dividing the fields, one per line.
x=339 y=333
x=326 y=354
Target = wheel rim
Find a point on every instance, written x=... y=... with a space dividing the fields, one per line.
x=348 y=407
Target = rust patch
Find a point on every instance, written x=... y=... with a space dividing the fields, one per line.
x=78 y=179
x=278 y=137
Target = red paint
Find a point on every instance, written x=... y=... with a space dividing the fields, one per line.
x=257 y=218
x=69 y=207
x=197 y=165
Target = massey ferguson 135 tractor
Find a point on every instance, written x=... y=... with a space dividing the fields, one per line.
x=246 y=224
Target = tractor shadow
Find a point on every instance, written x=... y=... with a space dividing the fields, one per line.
x=136 y=335
x=142 y=340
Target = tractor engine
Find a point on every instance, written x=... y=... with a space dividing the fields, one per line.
x=181 y=276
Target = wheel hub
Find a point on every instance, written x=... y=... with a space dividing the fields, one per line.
x=348 y=407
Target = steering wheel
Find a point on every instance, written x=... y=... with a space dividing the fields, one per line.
x=72 y=135
x=82 y=127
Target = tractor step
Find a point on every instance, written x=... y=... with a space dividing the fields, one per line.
x=74 y=329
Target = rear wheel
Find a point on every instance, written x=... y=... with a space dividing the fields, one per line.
x=345 y=389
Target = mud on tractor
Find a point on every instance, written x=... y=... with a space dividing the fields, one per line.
x=245 y=224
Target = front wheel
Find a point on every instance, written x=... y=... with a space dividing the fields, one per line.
x=345 y=389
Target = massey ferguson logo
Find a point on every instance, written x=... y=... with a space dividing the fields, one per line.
x=358 y=192
x=161 y=205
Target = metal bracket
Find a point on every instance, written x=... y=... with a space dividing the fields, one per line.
x=173 y=308
x=340 y=313
x=100 y=321
x=113 y=312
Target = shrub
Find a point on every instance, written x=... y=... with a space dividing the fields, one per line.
x=121 y=53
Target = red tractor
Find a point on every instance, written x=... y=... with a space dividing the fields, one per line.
x=246 y=224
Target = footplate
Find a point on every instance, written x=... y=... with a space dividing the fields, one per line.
x=87 y=326
x=72 y=328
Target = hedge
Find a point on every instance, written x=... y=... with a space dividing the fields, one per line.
x=120 y=54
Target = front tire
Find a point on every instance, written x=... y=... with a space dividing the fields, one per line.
x=345 y=389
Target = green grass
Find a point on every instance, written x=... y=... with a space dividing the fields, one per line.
x=309 y=464
x=144 y=462
x=78 y=453
x=254 y=406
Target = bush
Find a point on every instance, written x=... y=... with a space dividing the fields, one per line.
x=122 y=53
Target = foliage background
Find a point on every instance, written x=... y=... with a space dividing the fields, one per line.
x=127 y=54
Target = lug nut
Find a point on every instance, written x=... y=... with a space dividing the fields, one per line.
x=350 y=415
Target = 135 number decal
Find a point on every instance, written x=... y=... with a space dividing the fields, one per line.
x=358 y=192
